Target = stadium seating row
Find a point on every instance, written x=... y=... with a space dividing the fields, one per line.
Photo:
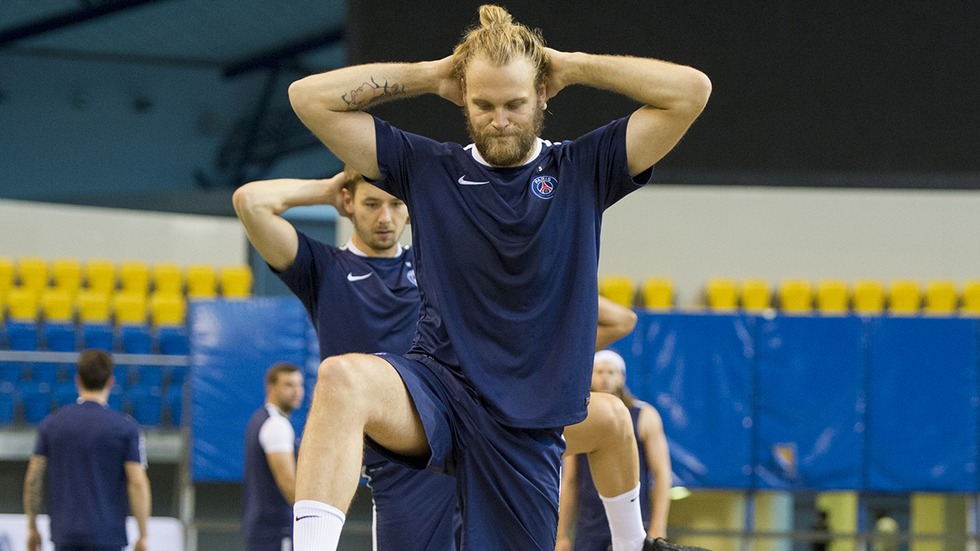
x=801 y=296
x=97 y=290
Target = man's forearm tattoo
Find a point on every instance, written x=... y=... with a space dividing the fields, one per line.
x=34 y=493
x=371 y=92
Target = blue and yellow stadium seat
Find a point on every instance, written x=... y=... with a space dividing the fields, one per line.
x=971 y=298
x=832 y=296
x=617 y=288
x=795 y=296
x=66 y=275
x=658 y=293
x=755 y=295
x=941 y=297
x=869 y=296
x=236 y=281
x=100 y=276
x=904 y=297
x=201 y=281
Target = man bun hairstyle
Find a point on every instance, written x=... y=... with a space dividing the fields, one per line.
x=499 y=40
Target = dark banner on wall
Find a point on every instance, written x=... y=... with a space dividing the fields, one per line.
x=805 y=93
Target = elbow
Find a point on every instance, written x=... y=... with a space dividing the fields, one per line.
x=699 y=87
x=301 y=97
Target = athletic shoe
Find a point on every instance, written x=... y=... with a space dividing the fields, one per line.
x=661 y=544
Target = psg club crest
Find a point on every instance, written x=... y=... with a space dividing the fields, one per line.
x=544 y=186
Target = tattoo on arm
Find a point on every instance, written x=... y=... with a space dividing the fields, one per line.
x=34 y=487
x=371 y=92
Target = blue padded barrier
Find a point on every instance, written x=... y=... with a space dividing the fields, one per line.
x=697 y=371
x=923 y=404
x=233 y=343
x=811 y=382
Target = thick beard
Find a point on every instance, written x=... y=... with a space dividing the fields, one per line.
x=509 y=149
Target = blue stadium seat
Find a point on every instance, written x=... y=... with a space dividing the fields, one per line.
x=146 y=403
x=116 y=398
x=8 y=398
x=175 y=402
x=58 y=337
x=137 y=339
x=65 y=392
x=36 y=400
x=21 y=336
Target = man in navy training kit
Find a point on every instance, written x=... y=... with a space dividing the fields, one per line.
x=505 y=247
x=269 y=483
x=581 y=505
x=94 y=462
x=363 y=296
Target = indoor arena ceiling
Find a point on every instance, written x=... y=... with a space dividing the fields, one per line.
x=233 y=35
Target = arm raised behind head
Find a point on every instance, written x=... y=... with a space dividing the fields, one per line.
x=331 y=104
x=672 y=96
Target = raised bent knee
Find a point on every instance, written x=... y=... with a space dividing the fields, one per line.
x=341 y=378
x=613 y=418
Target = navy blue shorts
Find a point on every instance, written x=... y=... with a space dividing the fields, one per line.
x=507 y=478
x=414 y=510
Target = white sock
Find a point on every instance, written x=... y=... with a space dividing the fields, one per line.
x=316 y=526
x=625 y=520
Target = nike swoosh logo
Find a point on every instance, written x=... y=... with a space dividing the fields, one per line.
x=464 y=182
x=352 y=277
x=306 y=516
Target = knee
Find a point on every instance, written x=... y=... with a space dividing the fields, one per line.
x=613 y=416
x=339 y=378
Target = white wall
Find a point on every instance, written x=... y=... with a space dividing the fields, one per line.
x=56 y=231
x=690 y=234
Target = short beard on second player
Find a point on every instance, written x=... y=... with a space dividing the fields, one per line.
x=508 y=148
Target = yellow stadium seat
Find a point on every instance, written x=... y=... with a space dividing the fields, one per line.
x=167 y=309
x=22 y=304
x=832 y=296
x=66 y=275
x=56 y=305
x=971 y=297
x=32 y=272
x=129 y=308
x=134 y=277
x=756 y=295
x=721 y=293
x=941 y=297
x=869 y=296
x=100 y=276
x=6 y=275
x=201 y=281
x=618 y=289
x=236 y=281
x=167 y=278
x=795 y=296
x=92 y=306
x=658 y=293
x=904 y=297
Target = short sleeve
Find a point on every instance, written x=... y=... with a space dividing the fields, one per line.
x=277 y=435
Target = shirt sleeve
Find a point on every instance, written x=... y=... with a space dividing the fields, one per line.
x=277 y=435
x=136 y=447
x=41 y=445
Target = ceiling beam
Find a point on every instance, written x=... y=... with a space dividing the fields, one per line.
x=66 y=19
x=286 y=51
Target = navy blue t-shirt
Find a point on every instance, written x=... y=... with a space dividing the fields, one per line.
x=86 y=446
x=356 y=303
x=506 y=262
x=267 y=517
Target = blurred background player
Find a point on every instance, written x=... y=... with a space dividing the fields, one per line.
x=94 y=462
x=581 y=505
x=269 y=483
